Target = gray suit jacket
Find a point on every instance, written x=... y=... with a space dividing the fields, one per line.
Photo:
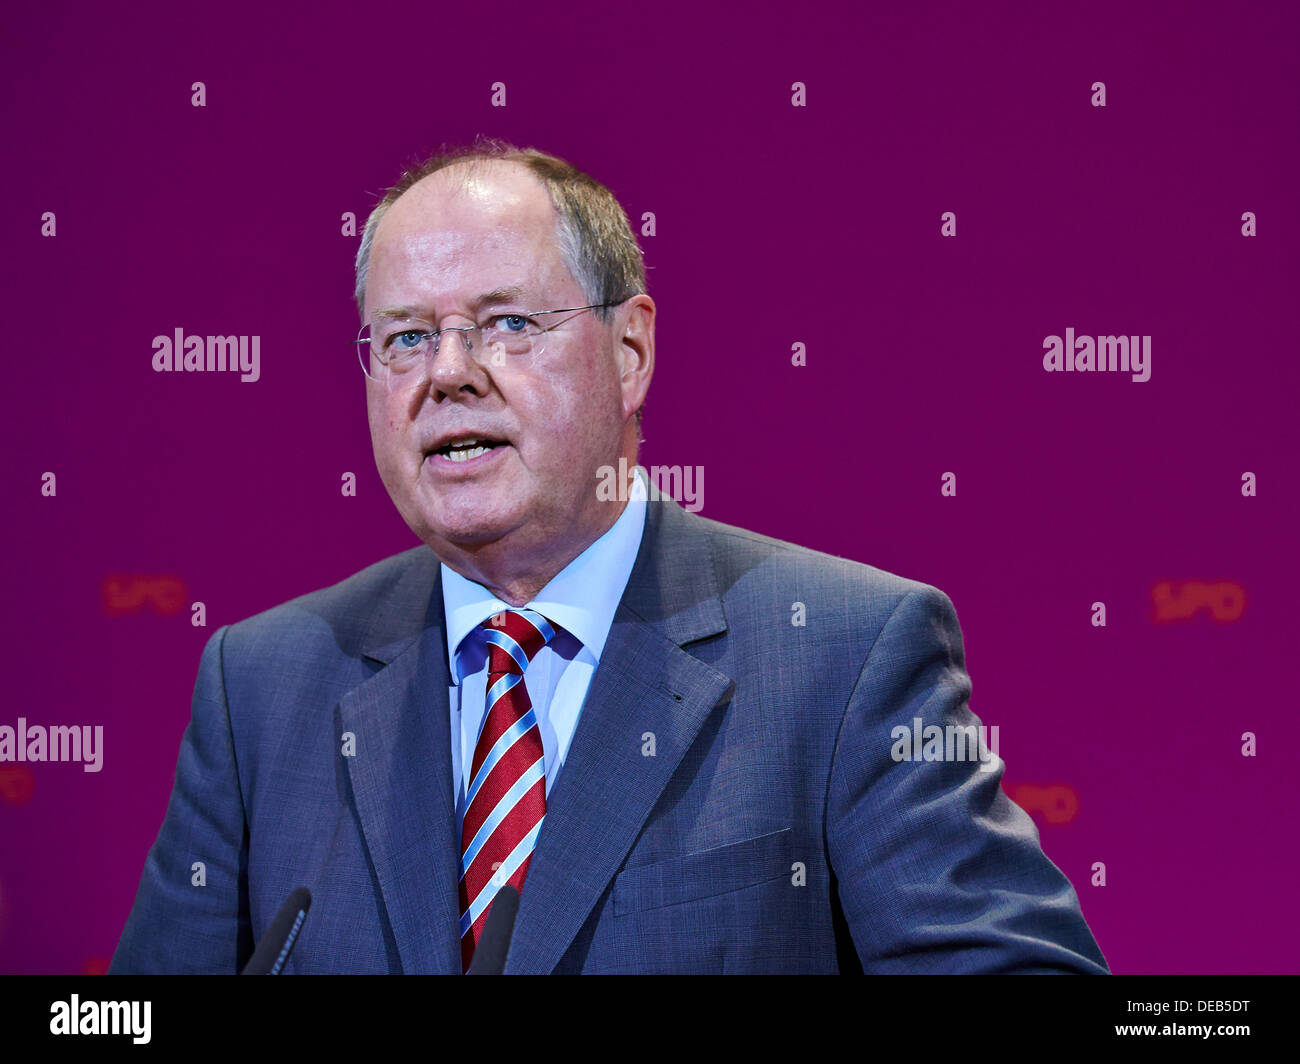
x=729 y=803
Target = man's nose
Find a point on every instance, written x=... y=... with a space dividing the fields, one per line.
x=454 y=367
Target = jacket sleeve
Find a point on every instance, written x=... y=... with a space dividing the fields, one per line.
x=937 y=869
x=191 y=911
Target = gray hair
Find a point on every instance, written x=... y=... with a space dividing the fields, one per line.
x=595 y=237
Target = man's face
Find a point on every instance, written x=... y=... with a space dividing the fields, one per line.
x=554 y=418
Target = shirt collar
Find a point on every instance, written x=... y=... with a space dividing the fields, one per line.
x=581 y=598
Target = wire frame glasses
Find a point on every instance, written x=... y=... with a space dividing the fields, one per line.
x=393 y=347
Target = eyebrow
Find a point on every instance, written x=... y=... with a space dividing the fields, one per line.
x=508 y=294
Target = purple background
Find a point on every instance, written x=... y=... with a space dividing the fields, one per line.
x=775 y=224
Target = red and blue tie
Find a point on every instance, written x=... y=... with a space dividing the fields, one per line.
x=505 y=800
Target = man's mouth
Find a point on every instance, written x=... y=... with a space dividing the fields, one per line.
x=466 y=449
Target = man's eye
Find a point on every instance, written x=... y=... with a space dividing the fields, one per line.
x=406 y=340
x=511 y=323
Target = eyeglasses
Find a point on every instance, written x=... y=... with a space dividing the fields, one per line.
x=396 y=346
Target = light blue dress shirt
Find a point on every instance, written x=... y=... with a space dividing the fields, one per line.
x=581 y=599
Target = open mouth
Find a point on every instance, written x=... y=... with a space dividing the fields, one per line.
x=467 y=449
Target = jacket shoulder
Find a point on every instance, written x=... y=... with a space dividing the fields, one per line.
x=752 y=560
x=344 y=611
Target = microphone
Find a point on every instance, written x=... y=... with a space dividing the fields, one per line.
x=277 y=943
x=490 y=953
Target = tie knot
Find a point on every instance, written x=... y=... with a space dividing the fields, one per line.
x=514 y=637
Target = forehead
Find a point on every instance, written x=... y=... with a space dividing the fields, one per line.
x=464 y=231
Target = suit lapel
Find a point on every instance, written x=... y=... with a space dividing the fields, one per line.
x=401 y=771
x=646 y=689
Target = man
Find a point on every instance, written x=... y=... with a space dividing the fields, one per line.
x=597 y=698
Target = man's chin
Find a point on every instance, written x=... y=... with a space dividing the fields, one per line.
x=472 y=509
x=468 y=530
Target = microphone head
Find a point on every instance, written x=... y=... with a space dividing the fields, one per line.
x=490 y=953
x=273 y=951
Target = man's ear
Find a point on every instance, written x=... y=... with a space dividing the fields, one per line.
x=636 y=352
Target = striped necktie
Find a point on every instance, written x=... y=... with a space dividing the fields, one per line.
x=506 y=797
